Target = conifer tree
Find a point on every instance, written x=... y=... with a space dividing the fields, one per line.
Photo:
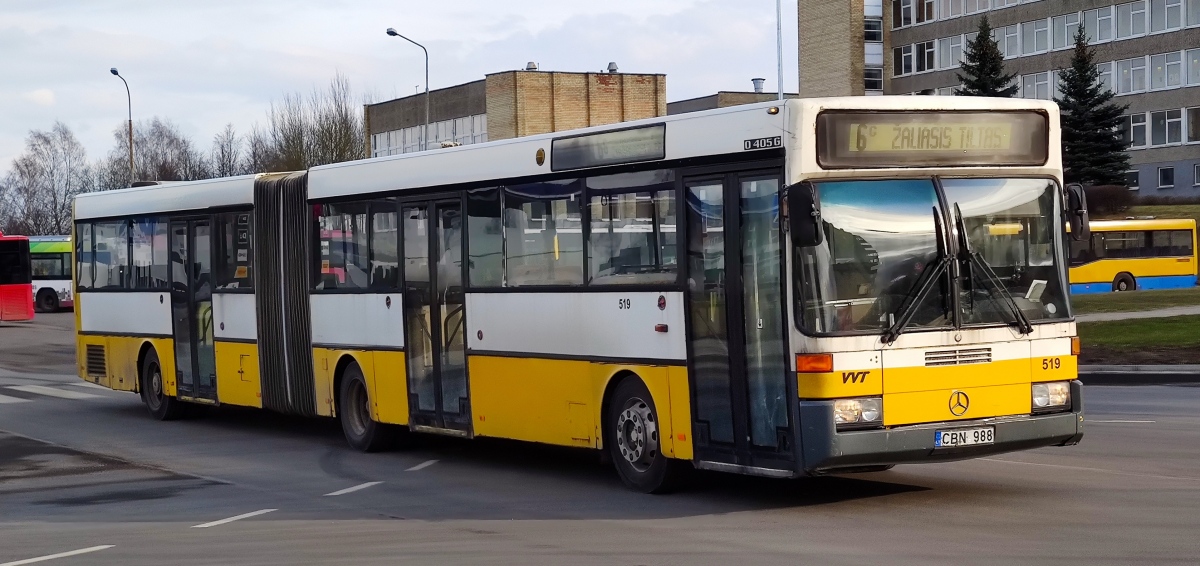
x=983 y=67
x=1093 y=148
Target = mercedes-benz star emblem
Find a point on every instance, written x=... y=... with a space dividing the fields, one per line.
x=959 y=402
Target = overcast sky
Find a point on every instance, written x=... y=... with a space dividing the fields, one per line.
x=206 y=63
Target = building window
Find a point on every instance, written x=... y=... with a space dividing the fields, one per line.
x=873 y=29
x=925 y=56
x=1166 y=177
x=902 y=60
x=873 y=54
x=1131 y=75
x=1196 y=175
x=954 y=8
x=976 y=6
x=997 y=4
x=1193 y=13
x=1098 y=24
x=950 y=52
x=1010 y=45
x=1193 y=63
x=1036 y=86
x=1106 y=76
x=1133 y=131
x=1131 y=180
x=1064 y=30
x=1165 y=70
x=1131 y=19
x=925 y=10
x=873 y=79
x=1165 y=15
x=1193 y=125
x=1035 y=37
x=1166 y=127
x=902 y=13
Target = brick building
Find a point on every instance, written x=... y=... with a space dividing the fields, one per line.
x=1148 y=53
x=512 y=104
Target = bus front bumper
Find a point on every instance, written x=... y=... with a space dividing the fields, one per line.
x=826 y=450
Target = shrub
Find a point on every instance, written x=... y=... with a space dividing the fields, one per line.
x=1108 y=199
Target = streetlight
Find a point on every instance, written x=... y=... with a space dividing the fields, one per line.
x=425 y=137
x=128 y=99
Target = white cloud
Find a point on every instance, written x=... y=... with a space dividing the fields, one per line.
x=40 y=97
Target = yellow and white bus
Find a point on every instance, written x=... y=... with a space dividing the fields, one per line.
x=638 y=288
x=1126 y=255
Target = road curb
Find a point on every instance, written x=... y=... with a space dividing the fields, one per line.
x=1139 y=374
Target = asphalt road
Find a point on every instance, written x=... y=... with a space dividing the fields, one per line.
x=85 y=469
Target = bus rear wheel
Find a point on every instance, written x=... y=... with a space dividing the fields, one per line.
x=161 y=406
x=1124 y=282
x=47 y=301
x=632 y=436
x=354 y=411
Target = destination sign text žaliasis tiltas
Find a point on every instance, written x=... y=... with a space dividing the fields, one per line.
x=904 y=137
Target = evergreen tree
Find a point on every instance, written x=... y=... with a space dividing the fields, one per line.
x=983 y=67
x=1093 y=148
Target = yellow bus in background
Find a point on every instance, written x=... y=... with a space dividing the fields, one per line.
x=1126 y=255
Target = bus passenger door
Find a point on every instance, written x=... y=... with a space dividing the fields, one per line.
x=738 y=369
x=434 y=317
x=191 y=309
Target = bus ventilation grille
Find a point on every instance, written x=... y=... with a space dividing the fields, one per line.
x=96 y=364
x=958 y=357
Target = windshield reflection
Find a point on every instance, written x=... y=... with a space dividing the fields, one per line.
x=880 y=235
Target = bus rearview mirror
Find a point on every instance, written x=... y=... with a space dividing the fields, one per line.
x=804 y=215
x=1077 y=213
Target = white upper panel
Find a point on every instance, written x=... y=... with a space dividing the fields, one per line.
x=358 y=321
x=168 y=197
x=234 y=316
x=614 y=325
x=712 y=132
x=136 y=314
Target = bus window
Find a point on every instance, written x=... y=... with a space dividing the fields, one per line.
x=385 y=263
x=48 y=266
x=1170 y=243
x=14 y=262
x=544 y=227
x=235 y=251
x=632 y=237
x=112 y=254
x=83 y=254
x=345 y=259
x=485 y=238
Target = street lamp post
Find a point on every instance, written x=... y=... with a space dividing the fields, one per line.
x=425 y=137
x=129 y=100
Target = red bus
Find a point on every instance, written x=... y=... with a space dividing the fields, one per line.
x=16 y=283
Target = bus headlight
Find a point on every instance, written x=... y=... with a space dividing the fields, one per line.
x=1050 y=396
x=865 y=411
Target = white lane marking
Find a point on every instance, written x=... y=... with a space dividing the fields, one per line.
x=59 y=555
x=230 y=519
x=1087 y=469
x=353 y=489
x=1119 y=422
x=422 y=466
x=91 y=385
x=52 y=392
x=6 y=399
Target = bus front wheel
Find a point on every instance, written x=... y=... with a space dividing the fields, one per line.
x=161 y=406
x=354 y=411
x=47 y=301
x=1124 y=282
x=632 y=431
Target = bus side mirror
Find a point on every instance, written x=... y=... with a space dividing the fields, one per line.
x=1077 y=213
x=804 y=215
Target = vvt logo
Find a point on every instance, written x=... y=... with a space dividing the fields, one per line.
x=854 y=376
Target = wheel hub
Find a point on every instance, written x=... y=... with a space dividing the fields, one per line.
x=637 y=434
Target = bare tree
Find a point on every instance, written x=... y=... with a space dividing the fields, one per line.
x=162 y=153
x=226 y=156
x=326 y=127
x=44 y=181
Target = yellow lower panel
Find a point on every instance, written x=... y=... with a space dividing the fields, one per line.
x=121 y=360
x=681 y=415
x=1107 y=269
x=559 y=401
x=934 y=406
x=389 y=384
x=238 y=382
x=922 y=378
x=850 y=383
x=325 y=362
x=1054 y=368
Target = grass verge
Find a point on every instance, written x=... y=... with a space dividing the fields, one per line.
x=1172 y=340
x=1160 y=211
x=1131 y=301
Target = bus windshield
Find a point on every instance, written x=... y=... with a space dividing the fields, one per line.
x=881 y=235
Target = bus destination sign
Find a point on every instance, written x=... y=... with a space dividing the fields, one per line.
x=931 y=139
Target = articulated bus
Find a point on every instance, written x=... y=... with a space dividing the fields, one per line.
x=50 y=257
x=1126 y=255
x=780 y=289
x=16 y=289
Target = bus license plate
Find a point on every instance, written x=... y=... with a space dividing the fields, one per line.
x=964 y=437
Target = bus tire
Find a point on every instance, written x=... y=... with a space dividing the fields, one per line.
x=161 y=406
x=47 y=301
x=354 y=412
x=1124 y=282
x=632 y=435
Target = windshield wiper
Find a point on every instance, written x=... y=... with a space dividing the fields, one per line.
x=990 y=278
x=930 y=277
